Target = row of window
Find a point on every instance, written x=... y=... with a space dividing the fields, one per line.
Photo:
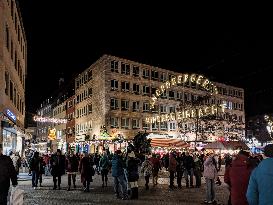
x=83 y=127
x=86 y=93
x=83 y=78
x=83 y=111
x=127 y=123
x=134 y=106
x=14 y=57
x=59 y=109
x=123 y=68
x=17 y=26
x=13 y=93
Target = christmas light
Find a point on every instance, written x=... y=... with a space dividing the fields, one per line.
x=206 y=84
x=48 y=119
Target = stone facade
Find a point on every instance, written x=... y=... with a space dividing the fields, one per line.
x=116 y=93
x=13 y=58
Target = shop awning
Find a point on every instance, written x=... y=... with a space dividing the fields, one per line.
x=228 y=145
x=175 y=143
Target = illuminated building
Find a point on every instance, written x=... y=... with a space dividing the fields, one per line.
x=13 y=57
x=117 y=93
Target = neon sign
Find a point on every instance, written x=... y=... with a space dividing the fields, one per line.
x=11 y=115
x=47 y=119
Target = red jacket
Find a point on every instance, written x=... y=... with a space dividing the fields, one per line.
x=237 y=177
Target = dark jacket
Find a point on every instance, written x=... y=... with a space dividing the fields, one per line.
x=104 y=163
x=237 y=177
x=132 y=168
x=117 y=166
x=37 y=164
x=188 y=162
x=57 y=165
x=86 y=169
x=7 y=173
x=71 y=164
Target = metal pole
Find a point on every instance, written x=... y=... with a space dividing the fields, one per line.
x=196 y=131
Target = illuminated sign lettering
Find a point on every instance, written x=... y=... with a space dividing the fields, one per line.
x=47 y=119
x=200 y=80
x=11 y=115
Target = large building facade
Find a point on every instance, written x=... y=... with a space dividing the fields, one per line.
x=117 y=93
x=13 y=70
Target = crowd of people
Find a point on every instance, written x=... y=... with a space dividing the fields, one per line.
x=248 y=178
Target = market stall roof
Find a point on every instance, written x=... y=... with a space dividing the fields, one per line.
x=161 y=142
x=233 y=145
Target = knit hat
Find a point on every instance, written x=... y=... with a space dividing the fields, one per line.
x=268 y=150
x=131 y=155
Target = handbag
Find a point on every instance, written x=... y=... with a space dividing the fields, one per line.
x=16 y=196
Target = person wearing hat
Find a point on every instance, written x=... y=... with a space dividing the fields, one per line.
x=133 y=176
x=260 y=187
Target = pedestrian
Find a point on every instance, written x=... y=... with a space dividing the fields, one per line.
x=197 y=171
x=71 y=166
x=36 y=167
x=237 y=177
x=46 y=159
x=104 y=167
x=156 y=167
x=133 y=176
x=172 y=169
x=57 y=168
x=210 y=174
x=7 y=173
x=146 y=169
x=179 y=170
x=87 y=171
x=188 y=171
x=260 y=187
x=16 y=160
x=118 y=166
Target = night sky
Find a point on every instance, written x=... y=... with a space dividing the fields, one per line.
x=65 y=38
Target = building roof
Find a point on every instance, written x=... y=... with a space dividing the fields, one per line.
x=228 y=145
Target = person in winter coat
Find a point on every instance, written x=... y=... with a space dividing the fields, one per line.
x=260 y=187
x=71 y=166
x=197 y=171
x=210 y=174
x=36 y=167
x=179 y=169
x=104 y=167
x=16 y=160
x=188 y=171
x=172 y=169
x=87 y=171
x=147 y=170
x=237 y=177
x=57 y=162
x=7 y=173
x=118 y=166
x=133 y=176
x=156 y=167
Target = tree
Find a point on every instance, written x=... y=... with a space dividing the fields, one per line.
x=142 y=145
x=223 y=125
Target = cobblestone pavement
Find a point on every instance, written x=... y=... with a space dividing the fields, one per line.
x=98 y=195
